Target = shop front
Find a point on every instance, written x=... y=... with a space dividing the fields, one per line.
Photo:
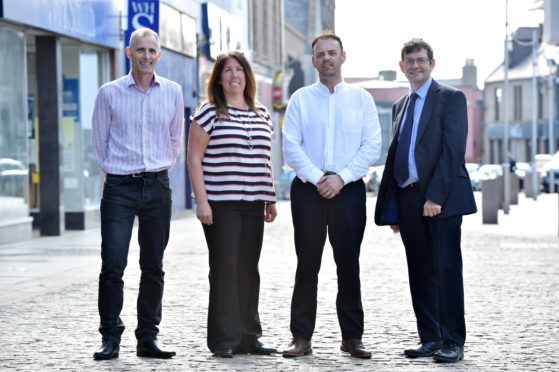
x=55 y=56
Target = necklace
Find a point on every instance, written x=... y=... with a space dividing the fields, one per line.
x=248 y=129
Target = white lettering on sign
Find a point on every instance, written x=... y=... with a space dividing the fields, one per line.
x=143 y=10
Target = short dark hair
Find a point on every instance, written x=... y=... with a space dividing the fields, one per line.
x=415 y=45
x=327 y=34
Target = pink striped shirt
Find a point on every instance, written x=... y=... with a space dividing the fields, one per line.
x=135 y=131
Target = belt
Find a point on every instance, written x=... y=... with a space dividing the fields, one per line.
x=411 y=186
x=329 y=173
x=142 y=174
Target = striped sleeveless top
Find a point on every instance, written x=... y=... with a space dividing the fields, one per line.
x=237 y=162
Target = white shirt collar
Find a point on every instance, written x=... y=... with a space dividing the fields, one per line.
x=324 y=89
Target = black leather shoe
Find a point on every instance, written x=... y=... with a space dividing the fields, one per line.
x=257 y=349
x=427 y=349
x=223 y=353
x=109 y=350
x=151 y=349
x=355 y=348
x=450 y=353
x=300 y=347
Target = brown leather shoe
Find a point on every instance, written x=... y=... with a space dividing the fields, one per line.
x=355 y=348
x=300 y=347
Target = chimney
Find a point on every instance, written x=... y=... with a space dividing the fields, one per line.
x=469 y=74
x=388 y=75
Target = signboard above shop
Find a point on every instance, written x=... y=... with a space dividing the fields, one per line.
x=222 y=30
x=142 y=13
x=177 y=31
x=94 y=21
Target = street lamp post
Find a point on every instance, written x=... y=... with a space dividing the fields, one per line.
x=534 y=113
x=550 y=99
x=505 y=165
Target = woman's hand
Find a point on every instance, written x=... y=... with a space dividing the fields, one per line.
x=204 y=213
x=271 y=212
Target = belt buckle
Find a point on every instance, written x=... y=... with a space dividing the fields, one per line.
x=138 y=175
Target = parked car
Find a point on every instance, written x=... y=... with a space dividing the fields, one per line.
x=521 y=170
x=486 y=172
x=545 y=180
x=284 y=182
x=472 y=168
x=13 y=177
x=373 y=177
x=545 y=172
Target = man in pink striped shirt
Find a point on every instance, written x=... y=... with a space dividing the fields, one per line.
x=137 y=129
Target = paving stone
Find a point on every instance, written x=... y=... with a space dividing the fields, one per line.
x=511 y=288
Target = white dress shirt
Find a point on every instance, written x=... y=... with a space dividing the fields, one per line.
x=331 y=132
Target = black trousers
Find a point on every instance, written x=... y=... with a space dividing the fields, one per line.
x=234 y=243
x=125 y=197
x=343 y=219
x=435 y=269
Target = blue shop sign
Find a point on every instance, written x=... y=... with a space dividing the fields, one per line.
x=142 y=13
x=94 y=21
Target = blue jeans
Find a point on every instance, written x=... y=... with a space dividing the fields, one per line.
x=125 y=197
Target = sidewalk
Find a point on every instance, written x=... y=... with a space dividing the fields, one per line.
x=49 y=300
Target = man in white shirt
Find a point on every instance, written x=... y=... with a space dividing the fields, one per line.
x=331 y=136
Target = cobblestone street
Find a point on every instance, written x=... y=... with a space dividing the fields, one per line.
x=511 y=274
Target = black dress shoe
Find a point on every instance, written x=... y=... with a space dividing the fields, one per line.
x=151 y=349
x=450 y=353
x=109 y=350
x=427 y=349
x=228 y=353
x=300 y=347
x=355 y=348
x=261 y=349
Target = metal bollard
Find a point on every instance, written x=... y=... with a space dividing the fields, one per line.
x=490 y=200
x=514 y=188
x=529 y=191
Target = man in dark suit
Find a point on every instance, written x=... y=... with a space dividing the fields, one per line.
x=424 y=192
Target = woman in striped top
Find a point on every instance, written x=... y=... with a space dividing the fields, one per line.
x=229 y=161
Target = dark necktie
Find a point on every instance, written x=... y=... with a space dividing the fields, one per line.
x=401 y=165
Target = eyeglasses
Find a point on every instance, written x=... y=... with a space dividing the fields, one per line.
x=408 y=62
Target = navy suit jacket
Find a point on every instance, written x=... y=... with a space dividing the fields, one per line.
x=439 y=155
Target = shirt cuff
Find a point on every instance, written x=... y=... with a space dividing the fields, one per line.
x=315 y=175
x=346 y=175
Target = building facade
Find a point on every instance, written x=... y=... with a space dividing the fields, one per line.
x=520 y=107
x=56 y=54
x=386 y=90
x=59 y=52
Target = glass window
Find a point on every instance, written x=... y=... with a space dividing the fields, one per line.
x=517 y=102
x=13 y=127
x=498 y=102
x=94 y=71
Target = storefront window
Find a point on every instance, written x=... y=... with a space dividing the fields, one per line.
x=13 y=127
x=94 y=72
